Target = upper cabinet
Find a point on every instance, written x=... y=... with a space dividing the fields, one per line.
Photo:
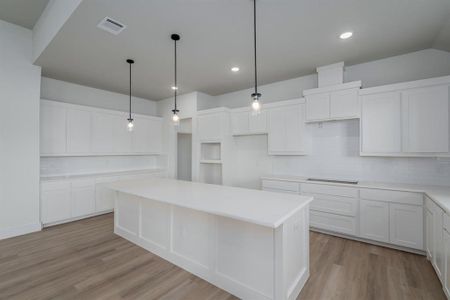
x=286 y=133
x=245 y=122
x=407 y=119
x=335 y=102
x=73 y=130
x=213 y=124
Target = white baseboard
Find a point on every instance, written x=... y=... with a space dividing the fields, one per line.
x=19 y=230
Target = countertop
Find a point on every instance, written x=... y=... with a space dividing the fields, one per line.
x=439 y=194
x=254 y=206
x=99 y=174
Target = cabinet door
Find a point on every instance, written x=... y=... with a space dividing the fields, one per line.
x=429 y=235
x=374 y=220
x=52 y=129
x=102 y=133
x=344 y=104
x=104 y=197
x=240 y=122
x=258 y=122
x=439 y=258
x=121 y=135
x=447 y=262
x=294 y=128
x=209 y=127
x=78 y=131
x=83 y=197
x=406 y=225
x=55 y=202
x=277 y=134
x=426 y=119
x=317 y=107
x=381 y=123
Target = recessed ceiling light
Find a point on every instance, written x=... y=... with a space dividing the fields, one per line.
x=174 y=88
x=235 y=69
x=346 y=35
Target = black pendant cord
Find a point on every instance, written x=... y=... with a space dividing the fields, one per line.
x=130 y=91
x=255 y=95
x=175 y=66
x=175 y=37
x=130 y=62
x=254 y=46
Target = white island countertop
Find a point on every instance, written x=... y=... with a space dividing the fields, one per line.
x=254 y=206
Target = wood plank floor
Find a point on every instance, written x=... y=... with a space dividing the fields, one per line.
x=85 y=260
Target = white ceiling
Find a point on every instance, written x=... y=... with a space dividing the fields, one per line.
x=295 y=36
x=24 y=13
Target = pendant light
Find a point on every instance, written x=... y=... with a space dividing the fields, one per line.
x=256 y=103
x=130 y=119
x=175 y=118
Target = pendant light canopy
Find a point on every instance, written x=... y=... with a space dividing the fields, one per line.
x=130 y=119
x=175 y=118
x=256 y=103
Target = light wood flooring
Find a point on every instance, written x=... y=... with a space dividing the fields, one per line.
x=86 y=260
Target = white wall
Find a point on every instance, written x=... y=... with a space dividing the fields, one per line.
x=57 y=90
x=412 y=66
x=19 y=132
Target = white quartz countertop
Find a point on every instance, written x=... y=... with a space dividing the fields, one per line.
x=439 y=194
x=254 y=206
x=99 y=174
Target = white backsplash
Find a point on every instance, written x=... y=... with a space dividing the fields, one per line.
x=334 y=153
x=96 y=164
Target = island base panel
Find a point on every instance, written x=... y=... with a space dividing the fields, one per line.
x=250 y=261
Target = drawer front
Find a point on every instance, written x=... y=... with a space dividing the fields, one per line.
x=54 y=185
x=334 y=204
x=329 y=190
x=392 y=196
x=83 y=183
x=279 y=191
x=281 y=185
x=332 y=222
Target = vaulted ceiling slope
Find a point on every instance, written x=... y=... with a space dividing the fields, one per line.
x=24 y=13
x=294 y=36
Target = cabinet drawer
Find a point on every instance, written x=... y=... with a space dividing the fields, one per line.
x=332 y=222
x=83 y=183
x=54 y=185
x=281 y=185
x=334 y=204
x=392 y=196
x=329 y=190
x=279 y=191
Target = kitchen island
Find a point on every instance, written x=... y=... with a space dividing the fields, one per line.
x=253 y=244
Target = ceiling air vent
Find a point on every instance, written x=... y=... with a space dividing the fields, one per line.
x=111 y=25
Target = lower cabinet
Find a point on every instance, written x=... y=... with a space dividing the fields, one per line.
x=446 y=282
x=83 y=197
x=406 y=225
x=374 y=220
x=333 y=222
x=55 y=202
x=68 y=199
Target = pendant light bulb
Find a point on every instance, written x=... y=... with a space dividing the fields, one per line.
x=256 y=106
x=176 y=118
x=130 y=125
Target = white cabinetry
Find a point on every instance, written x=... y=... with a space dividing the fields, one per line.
x=406 y=225
x=78 y=131
x=213 y=124
x=244 y=122
x=406 y=119
x=52 y=129
x=287 y=129
x=381 y=123
x=446 y=237
x=55 y=201
x=104 y=197
x=429 y=228
x=74 y=130
x=82 y=197
x=426 y=118
x=333 y=102
x=434 y=237
x=374 y=220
